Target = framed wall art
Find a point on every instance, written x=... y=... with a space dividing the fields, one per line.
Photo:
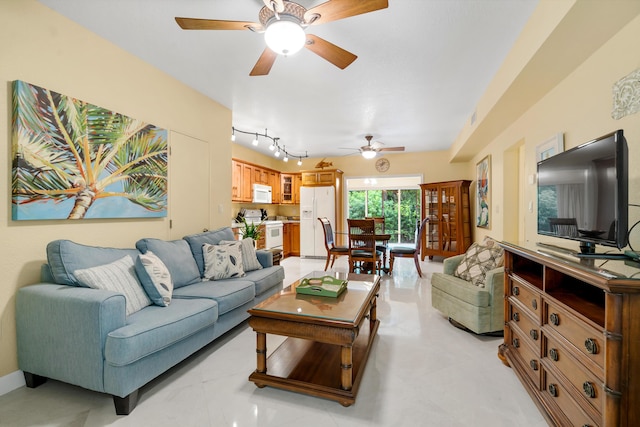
x=75 y=160
x=483 y=193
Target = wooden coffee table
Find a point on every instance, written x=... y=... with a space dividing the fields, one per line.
x=328 y=342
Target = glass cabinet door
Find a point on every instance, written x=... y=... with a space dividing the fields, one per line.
x=449 y=219
x=432 y=212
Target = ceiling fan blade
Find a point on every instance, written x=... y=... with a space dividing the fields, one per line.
x=264 y=64
x=214 y=24
x=339 y=9
x=329 y=51
x=391 y=149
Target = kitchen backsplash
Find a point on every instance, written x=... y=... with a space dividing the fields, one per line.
x=272 y=210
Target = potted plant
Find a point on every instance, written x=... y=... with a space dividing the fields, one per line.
x=251 y=230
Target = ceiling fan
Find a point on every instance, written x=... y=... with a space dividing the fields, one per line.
x=283 y=23
x=370 y=150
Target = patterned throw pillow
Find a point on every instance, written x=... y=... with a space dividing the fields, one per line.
x=477 y=261
x=249 y=258
x=222 y=261
x=155 y=278
x=118 y=276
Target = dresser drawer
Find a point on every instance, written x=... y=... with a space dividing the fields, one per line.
x=529 y=327
x=555 y=392
x=588 y=340
x=585 y=382
x=528 y=296
x=530 y=358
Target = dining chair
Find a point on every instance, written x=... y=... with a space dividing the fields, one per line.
x=381 y=246
x=333 y=251
x=409 y=252
x=362 y=246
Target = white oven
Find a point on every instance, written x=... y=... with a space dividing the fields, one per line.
x=274 y=231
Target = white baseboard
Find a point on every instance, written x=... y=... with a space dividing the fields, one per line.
x=11 y=382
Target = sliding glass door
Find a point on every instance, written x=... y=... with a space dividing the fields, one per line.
x=399 y=207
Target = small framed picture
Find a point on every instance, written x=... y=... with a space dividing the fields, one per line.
x=550 y=147
x=483 y=192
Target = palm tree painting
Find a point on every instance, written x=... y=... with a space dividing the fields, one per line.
x=75 y=160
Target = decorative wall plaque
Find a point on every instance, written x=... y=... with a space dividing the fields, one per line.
x=626 y=95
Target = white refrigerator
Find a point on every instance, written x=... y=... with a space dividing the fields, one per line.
x=315 y=202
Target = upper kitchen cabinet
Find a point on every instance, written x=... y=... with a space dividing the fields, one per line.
x=290 y=188
x=244 y=175
x=319 y=178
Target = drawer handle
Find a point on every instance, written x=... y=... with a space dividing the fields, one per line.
x=553 y=390
x=534 y=334
x=589 y=389
x=555 y=319
x=534 y=364
x=516 y=316
x=553 y=353
x=591 y=346
x=516 y=290
x=534 y=304
x=516 y=342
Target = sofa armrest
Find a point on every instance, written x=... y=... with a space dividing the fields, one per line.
x=61 y=331
x=450 y=264
x=265 y=257
x=494 y=283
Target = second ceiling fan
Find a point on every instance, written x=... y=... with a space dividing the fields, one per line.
x=370 y=150
x=283 y=23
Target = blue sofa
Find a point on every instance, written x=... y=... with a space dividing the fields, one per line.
x=82 y=336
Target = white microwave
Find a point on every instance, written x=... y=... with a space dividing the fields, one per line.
x=261 y=193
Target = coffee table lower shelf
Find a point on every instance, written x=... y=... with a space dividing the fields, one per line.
x=313 y=368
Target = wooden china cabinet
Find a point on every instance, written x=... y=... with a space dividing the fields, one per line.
x=448 y=231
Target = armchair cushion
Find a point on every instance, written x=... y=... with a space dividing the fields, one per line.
x=479 y=259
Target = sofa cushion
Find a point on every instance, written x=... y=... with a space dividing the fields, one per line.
x=155 y=278
x=213 y=237
x=477 y=260
x=461 y=289
x=229 y=293
x=249 y=258
x=64 y=257
x=222 y=261
x=177 y=256
x=155 y=328
x=118 y=276
x=266 y=278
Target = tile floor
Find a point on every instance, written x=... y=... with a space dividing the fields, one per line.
x=421 y=372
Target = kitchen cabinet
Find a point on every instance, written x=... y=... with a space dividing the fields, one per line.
x=328 y=177
x=274 y=182
x=290 y=188
x=295 y=238
x=291 y=239
x=448 y=231
x=571 y=335
x=244 y=175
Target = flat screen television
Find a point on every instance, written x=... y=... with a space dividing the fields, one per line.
x=583 y=193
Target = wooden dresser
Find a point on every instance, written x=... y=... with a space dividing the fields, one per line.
x=572 y=335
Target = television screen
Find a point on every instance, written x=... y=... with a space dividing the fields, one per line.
x=582 y=193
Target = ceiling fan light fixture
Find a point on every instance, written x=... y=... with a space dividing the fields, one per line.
x=368 y=154
x=285 y=37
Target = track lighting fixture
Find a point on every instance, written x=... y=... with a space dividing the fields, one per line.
x=273 y=146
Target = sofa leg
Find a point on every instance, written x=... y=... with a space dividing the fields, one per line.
x=124 y=405
x=34 y=380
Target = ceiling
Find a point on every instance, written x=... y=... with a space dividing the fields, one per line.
x=422 y=66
